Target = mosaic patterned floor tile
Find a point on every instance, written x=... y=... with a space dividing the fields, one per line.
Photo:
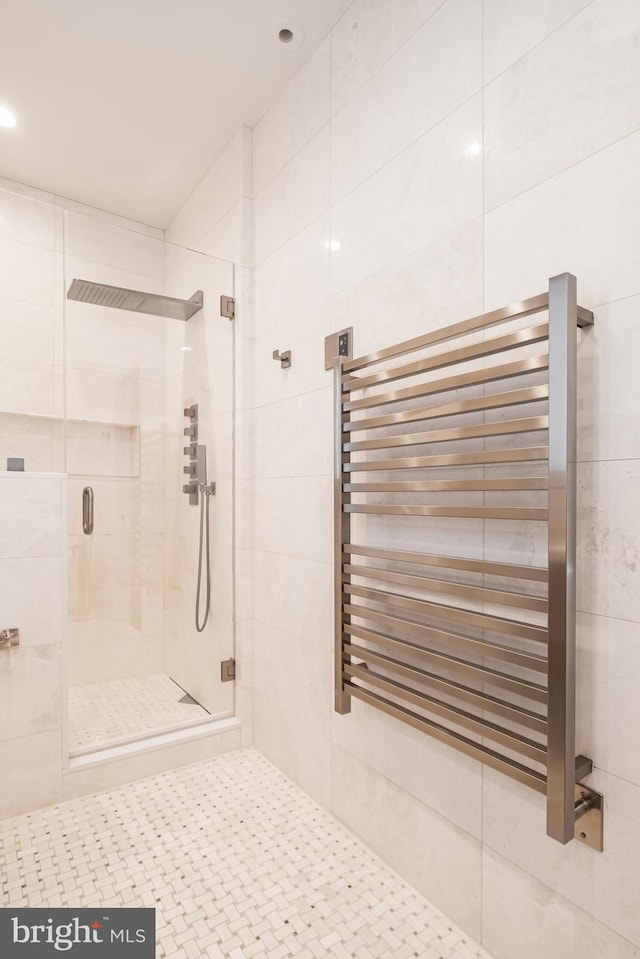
x=238 y=862
x=121 y=709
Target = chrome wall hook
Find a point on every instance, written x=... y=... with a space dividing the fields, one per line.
x=285 y=358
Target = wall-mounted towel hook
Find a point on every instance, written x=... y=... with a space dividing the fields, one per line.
x=285 y=358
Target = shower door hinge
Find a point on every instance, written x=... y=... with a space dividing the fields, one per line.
x=227 y=670
x=228 y=307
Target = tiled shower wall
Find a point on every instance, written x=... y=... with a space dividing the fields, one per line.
x=33 y=544
x=430 y=161
x=217 y=219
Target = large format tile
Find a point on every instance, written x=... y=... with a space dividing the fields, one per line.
x=292 y=707
x=298 y=113
x=27 y=272
x=603 y=884
x=304 y=334
x=361 y=41
x=32 y=772
x=294 y=596
x=438 y=284
x=31 y=516
x=288 y=204
x=607 y=682
x=424 y=193
x=445 y=780
x=218 y=190
x=294 y=278
x=438 y=859
x=407 y=16
x=436 y=71
x=294 y=437
x=513 y=27
x=28 y=220
x=40 y=623
x=532 y=132
x=93 y=239
x=111 y=344
x=562 y=232
x=28 y=331
x=33 y=687
x=608 y=539
x=524 y=919
x=608 y=357
x=293 y=516
x=29 y=387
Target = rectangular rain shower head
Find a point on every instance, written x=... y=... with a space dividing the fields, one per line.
x=117 y=297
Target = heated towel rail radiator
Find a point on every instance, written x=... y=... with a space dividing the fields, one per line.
x=455 y=464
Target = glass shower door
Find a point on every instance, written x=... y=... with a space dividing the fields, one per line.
x=137 y=665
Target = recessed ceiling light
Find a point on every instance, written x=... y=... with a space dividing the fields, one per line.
x=7 y=118
x=474 y=149
x=286 y=35
x=333 y=245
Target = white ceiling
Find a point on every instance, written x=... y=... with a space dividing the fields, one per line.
x=124 y=104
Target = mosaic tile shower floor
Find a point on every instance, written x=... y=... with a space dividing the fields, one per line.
x=121 y=709
x=238 y=862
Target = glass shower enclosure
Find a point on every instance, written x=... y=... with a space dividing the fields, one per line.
x=137 y=664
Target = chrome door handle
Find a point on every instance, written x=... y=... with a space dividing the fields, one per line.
x=87 y=510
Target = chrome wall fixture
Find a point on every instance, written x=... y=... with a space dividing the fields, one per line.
x=439 y=621
x=9 y=638
x=120 y=298
x=87 y=510
x=283 y=358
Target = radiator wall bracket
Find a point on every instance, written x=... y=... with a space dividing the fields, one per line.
x=589 y=811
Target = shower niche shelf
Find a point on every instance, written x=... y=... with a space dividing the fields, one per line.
x=455 y=542
x=94 y=447
x=102 y=449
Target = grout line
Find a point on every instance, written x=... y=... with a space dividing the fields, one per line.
x=571 y=902
x=561 y=172
x=540 y=42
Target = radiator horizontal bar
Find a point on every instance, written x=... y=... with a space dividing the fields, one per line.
x=481 y=727
x=468 y=512
x=492 y=401
x=536 y=573
x=525 y=454
x=489 y=757
x=465 y=644
x=513 y=628
x=448 y=687
x=530 y=424
x=502 y=371
x=536 y=304
x=463 y=354
x=436 y=486
x=474 y=671
x=475 y=593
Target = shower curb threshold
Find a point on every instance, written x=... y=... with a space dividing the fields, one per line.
x=214 y=727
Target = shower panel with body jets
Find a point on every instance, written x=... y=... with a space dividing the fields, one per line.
x=197 y=487
x=199 y=490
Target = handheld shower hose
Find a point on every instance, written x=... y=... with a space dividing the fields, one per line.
x=206 y=490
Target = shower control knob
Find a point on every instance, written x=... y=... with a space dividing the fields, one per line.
x=190 y=488
x=191 y=431
x=190 y=470
x=190 y=450
x=191 y=411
